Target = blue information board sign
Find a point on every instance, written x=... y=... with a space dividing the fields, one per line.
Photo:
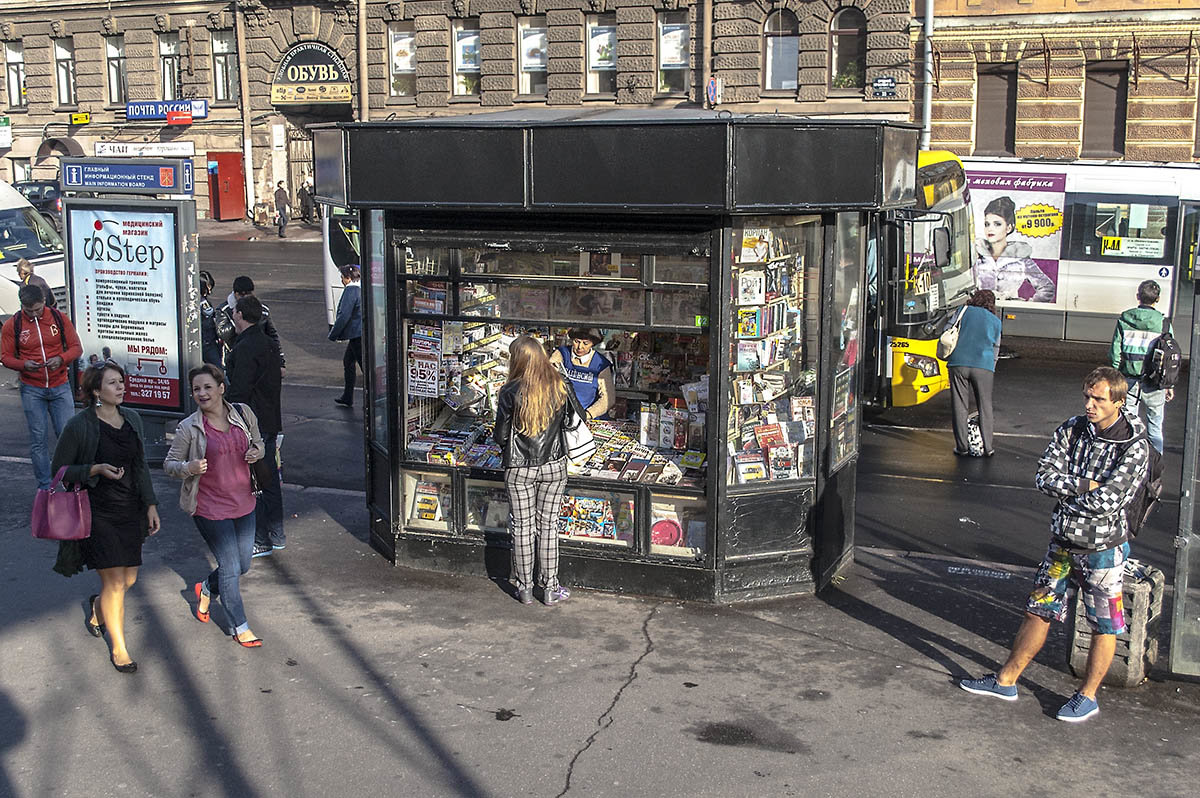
x=129 y=175
x=157 y=109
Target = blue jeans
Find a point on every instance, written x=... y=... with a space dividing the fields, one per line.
x=270 y=503
x=43 y=407
x=1155 y=402
x=231 y=542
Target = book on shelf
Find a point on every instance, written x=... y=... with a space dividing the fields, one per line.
x=769 y=435
x=747 y=356
x=692 y=459
x=634 y=469
x=749 y=322
x=427 y=504
x=781 y=462
x=756 y=245
x=750 y=466
x=752 y=287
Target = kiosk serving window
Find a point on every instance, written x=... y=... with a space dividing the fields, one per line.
x=646 y=311
x=774 y=299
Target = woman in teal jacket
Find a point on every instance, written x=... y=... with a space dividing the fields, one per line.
x=103 y=448
x=972 y=369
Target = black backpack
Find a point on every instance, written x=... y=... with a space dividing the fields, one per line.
x=1149 y=488
x=1163 y=360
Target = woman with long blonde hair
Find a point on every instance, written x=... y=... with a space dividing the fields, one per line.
x=532 y=410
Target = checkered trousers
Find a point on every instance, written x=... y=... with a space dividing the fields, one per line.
x=535 y=497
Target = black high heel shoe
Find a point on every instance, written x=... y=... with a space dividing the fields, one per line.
x=128 y=667
x=94 y=629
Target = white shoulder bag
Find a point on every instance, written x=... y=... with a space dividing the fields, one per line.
x=580 y=443
x=949 y=337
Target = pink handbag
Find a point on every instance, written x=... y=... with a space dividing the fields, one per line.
x=61 y=514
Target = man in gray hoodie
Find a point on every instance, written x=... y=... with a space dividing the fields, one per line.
x=1093 y=467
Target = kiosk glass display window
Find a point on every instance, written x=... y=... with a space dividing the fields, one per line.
x=847 y=316
x=774 y=318
x=464 y=305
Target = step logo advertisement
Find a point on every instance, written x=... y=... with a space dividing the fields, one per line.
x=1018 y=223
x=123 y=267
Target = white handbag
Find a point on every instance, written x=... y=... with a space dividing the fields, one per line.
x=581 y=445
x=949 y=337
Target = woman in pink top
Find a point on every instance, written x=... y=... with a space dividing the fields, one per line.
x=211 y=454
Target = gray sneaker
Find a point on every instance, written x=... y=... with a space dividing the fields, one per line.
x=986 y=685
x=554 y=595
x=525 y=596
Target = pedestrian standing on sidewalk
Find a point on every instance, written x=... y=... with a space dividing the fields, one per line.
x=40 y=343
x=532 y=409
x=348 y=327
x=1092 y=466
x=304 y=194
x=103 y=447
x=283 y=207
x=210 y=321
x=1136 y=331
x=244 y=286
x=254 y=379
x=211 y=453
x=27 y=277
x=972 y=369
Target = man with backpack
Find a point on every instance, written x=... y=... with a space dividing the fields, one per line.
x=1135 y=342
x=40 y=344
x=1097 y=467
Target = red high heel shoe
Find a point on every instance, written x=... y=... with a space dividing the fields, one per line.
x=202 y=617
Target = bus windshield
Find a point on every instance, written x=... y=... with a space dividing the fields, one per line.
x=925 y=288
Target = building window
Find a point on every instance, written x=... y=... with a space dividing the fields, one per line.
x=168 y=55
x=14 y=74
x=466 y=57
x=226 y=85
x=602 y=54
x=674 y=44
x=114 y=59
x=1105 y=94
x=64 y=70
x=22 y=169
x=532 y=33
x=848 y=50
x=402 y=60
x=996 y=109
x=781 y=51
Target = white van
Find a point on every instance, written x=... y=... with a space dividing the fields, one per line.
x=25 y=233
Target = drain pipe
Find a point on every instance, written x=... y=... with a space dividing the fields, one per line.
x=364 y=96
x=708 y=52
x=244 y=88
x=927 y=90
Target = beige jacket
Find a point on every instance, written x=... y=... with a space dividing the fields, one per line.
x=190 y=444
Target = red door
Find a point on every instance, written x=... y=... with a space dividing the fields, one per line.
x=226 y=186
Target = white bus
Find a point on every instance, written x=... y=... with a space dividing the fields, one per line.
x=1065 y=243
x=341 y=246
x=25 y=233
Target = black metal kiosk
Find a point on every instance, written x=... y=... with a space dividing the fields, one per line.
x=719 y=259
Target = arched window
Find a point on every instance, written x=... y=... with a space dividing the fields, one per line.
x=781 y=51
x=848 y=50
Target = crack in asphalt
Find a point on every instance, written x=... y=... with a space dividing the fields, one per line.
x=606 y=718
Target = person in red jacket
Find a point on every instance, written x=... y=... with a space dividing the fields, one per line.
x=40 y=343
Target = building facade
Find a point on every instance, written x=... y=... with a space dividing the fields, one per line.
x=1064 y=79
x=236 y=84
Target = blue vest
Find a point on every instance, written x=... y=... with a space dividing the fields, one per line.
x=585 y=379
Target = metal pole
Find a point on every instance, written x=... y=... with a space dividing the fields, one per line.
x=244 y=89
x=927 y=90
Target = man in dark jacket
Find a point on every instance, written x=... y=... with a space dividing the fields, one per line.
x=244 y=286
x=254 y=379
x=348 y=327
x=283 y=208
x=1093 y=467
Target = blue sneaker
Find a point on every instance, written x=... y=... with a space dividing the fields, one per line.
x=986 y=685
x=1079 y=708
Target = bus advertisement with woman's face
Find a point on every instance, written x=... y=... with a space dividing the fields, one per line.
x=1019 y=224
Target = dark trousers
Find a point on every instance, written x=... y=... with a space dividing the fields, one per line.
x=351 y=359
x=964 y=382
x=268 y=525
x=283 y=220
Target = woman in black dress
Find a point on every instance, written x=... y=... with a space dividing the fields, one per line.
x=102 y=447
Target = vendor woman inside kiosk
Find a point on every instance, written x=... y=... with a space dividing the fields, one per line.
x=590 y=373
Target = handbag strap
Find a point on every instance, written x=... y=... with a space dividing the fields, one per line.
x=56 y=483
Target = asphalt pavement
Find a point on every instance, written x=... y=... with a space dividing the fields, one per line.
x=376 y=679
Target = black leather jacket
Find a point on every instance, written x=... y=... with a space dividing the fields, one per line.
x=521 y=450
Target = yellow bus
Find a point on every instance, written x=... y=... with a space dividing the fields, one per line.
x=923 y=277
